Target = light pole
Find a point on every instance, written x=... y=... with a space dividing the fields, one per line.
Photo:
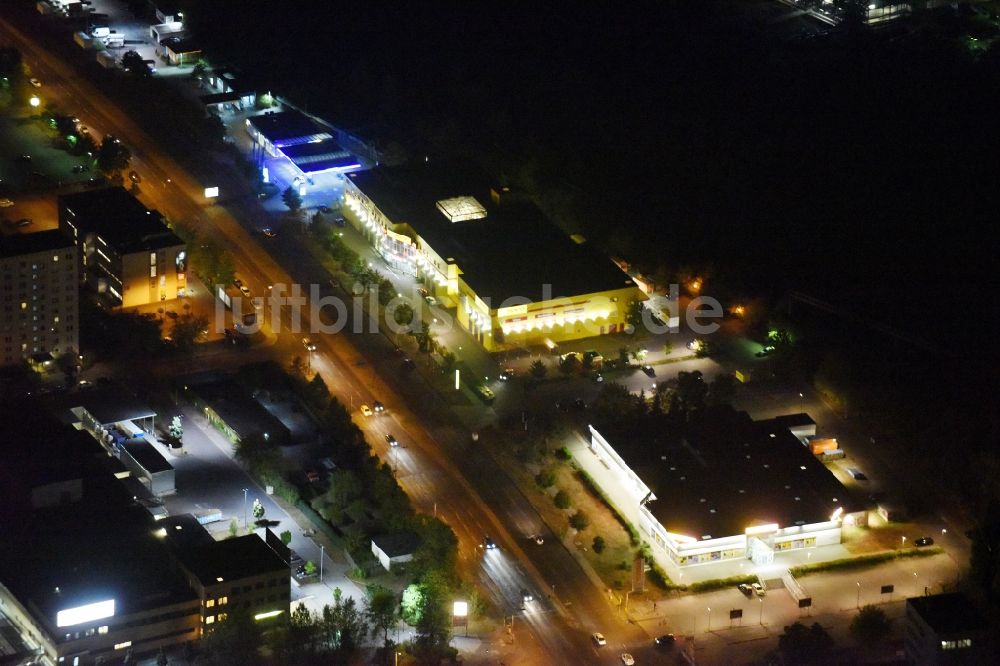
x=903 y=543
x=800 y=401
x=322 y=549
x=709 y=630
x=858 y=604
x=760 y=618
x=244 y=508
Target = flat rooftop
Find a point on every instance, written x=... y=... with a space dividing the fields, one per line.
x=513 y=251
x=117 y=217
x=728 y=473
x=146 y=455
x=320 y=156
x=241 y=412
x=107 y=402
x=288 y=128
x=948 y=613
x=398 y=544
x=40 y=241
x=232 y=559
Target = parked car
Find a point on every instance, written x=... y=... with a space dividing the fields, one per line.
x=648 y=369
x=238 y=283
x=269 y=232
x=391 y=440
x=857 y=474
x=598 y=639
x=539 y=539
x=246 y=291
x=665 y=640
x=628 y=659
x=366 y=410
x=6 y=203
x=325 y=210
x=35 y=82
x=431 y=300
x=24 y=222
x=340 y=221
x=758 y=589
x=924 y=541
x=745 y=589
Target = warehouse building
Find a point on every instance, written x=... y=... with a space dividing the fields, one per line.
x=299 y=141
x=512 y=277
x=729 y=488
x=127 y=251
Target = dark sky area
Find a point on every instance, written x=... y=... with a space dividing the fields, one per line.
x=861 y=169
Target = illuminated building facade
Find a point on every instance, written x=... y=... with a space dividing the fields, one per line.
x=127 y=251
x=731 y=488
x=512 y=277
x=39 y=301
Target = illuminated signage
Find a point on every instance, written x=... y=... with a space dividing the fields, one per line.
x=513 y=310
x=88 y=613
x=268 y=614
x=460 y=609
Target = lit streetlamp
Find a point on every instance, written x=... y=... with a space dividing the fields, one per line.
x=460 y=610
x=34 y=101
x=709 y=630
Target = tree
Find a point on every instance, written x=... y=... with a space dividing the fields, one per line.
x=200 y=68
x=538 y=369
x=292 y=198
x=234 y=641
x=386 y=292
x=211 y=262
x=112 y=156
x=345 y=487
x=234 y=528
x=403 y=314
x=410 y=604
x=561 y=499
x=342 y=627
x=598 y=544
x=187 y=330
x=382 y=611
x=634 y=316
x=668 y=348
x=984 y=560
x=722 y=389
x=133 y=63
x=800 y=644
x=579 y=521
x=258 y=509
x=870 y=626
x=425 y=339
x=569 y=364
x=64 y=124
x=434 y=622
x=691 y=391
x=310 y=568
x=286 y=537
x=545 y=478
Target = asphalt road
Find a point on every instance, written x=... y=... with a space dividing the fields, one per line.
x=467 y=491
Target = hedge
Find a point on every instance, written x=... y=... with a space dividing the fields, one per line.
x=862 y=561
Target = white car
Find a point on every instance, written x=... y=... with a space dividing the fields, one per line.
x=628 y=659
x=6 y=203
x=598 y=639
x=35 y=82
x=758 y=589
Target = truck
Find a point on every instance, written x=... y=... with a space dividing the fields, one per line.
x=114 y=41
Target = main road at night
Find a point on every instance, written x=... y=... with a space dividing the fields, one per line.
x=438 y=466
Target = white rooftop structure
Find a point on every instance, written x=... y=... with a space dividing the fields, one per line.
x=461 y=209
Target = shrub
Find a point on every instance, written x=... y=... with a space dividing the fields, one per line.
x=720 y=583
x=598 y=544
x=561 y=499
x=579 y=521
x=545 y=478
x=862 y=561
x=595 y=490
x=563 y=453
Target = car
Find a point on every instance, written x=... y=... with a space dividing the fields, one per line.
x=312 y=475
x=628 y=659
x=666 y=640
x=488 y=543
x=79 y=168
x=648 y=369
x=301 y=570
x=598 y=639
x=24 y=157
x=758 y=589
x=539 y=539
x=767 y=349
x=745 y=589
x=246 y=291
x=391 y=440
x=269 y=232
x=923 y=541
x=857 y=474
x=431 y=300
x=366 y=410
x=35 y=83
x=6 y=203
x=134 y=177
x=506 y=374
x=238 y=283
x=526 y=596
x=598 y=377
x=340 y=221
x=423 y=292
x=325 y=210
x=24 y=222
x=379 y=407
x=309 y=344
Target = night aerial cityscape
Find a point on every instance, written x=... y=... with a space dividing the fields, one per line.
x=499 y=333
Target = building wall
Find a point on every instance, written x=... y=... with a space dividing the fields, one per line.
x=263 y=593
x=39 y=304
x=153 y=276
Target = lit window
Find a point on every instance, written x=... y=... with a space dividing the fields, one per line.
x=210 y=603
x=223 y=601
x=223 y=616
x=55 y=257
x=210 y=619
x=24 y=305
x=122 y=646
x=103 y=629
x=152 y=258
x=152 y=271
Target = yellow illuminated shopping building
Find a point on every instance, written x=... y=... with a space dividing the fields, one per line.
x=512 y=278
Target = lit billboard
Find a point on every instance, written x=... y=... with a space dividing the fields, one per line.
x=88 y=613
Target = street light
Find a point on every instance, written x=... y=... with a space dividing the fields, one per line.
x=34 y=101
x=760 y=619
x=244 y=508
x=322 y=549
x=858 y=604
x=903 y=542
x=709 y=630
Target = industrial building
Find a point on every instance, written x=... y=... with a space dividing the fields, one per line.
x=39 y=304
x=127 y=251
x=727 y=488
x=512 y=277
x=947 y=629
x=310 y=148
